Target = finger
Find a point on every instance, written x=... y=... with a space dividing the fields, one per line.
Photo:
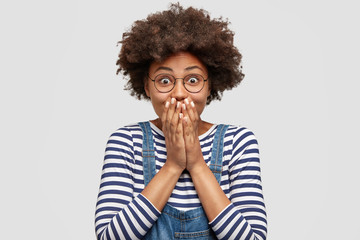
x=185 y=119
x=191 y=110
x=184 y=109
x=164 y=114
x=170 y=112
x=178 y=114
x=180 y=129
x=172 y=108
x=186 y=122
x=190 y=124
x=175 y=118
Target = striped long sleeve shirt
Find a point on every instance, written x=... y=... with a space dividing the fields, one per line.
x=122 y=212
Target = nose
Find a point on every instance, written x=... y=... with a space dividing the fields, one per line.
x=179 y=92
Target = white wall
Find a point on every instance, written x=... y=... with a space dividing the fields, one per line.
x=61 y=99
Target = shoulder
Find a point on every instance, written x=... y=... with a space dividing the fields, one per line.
x=240 y=136
x=127 y=130
x=243 y=144
x=126 y=135
x=238 y=131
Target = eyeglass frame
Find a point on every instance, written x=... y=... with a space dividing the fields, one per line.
x=175 y=81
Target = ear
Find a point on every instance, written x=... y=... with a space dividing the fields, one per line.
x=146 y=87
x=209 y=89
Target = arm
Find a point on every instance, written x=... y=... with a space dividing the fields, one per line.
x=119 y=215
x=161 y=186
x=243 y=215
x=211 y=196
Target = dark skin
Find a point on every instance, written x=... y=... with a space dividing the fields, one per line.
x=179 y=118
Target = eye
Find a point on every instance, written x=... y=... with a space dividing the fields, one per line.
x=163 y=80
x=193 y=79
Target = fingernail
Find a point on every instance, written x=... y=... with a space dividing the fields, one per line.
x=172 y=100
x=192 y=104
x=186 y=101
x=185 y=119
x=178 y=105
x=184 y=106
x=180 y=115
x=167 y=104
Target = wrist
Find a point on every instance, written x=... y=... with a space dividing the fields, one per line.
x=173 y=169
x=197 y=168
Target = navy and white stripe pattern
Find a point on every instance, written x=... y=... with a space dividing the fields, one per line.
x=123 y=213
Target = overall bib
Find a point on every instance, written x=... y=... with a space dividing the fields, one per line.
x=174 y=223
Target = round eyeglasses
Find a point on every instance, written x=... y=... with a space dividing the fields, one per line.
x=193 y=83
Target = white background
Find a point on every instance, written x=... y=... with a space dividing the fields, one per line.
x=61 y=99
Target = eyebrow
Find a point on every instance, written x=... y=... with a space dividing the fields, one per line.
x=194 y=67
x=163 y=68
x=186 y=69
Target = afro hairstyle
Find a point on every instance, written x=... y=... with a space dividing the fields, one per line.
x=165 y=33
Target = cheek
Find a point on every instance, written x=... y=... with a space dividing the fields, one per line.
x=157 y=106
x=158 y=102
x=200 y=104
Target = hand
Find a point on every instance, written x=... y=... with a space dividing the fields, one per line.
x=172 y=128
x=190 y=122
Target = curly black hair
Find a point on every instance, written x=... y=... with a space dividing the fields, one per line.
x=175 y=30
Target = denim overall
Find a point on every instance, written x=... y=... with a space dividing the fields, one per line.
x=174 y=223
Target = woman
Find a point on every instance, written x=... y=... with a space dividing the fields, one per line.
x=179 y=176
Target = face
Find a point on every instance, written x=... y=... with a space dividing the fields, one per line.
x=179 y=65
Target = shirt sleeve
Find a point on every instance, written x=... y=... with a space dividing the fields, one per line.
x=245 y=217
x=120 y=215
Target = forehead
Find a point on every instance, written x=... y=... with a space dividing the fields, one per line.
x=178 y=63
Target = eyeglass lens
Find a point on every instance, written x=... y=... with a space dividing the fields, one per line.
x=192 y=83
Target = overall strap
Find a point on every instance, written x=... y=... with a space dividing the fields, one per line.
x=217 y=151
x=148 y=152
